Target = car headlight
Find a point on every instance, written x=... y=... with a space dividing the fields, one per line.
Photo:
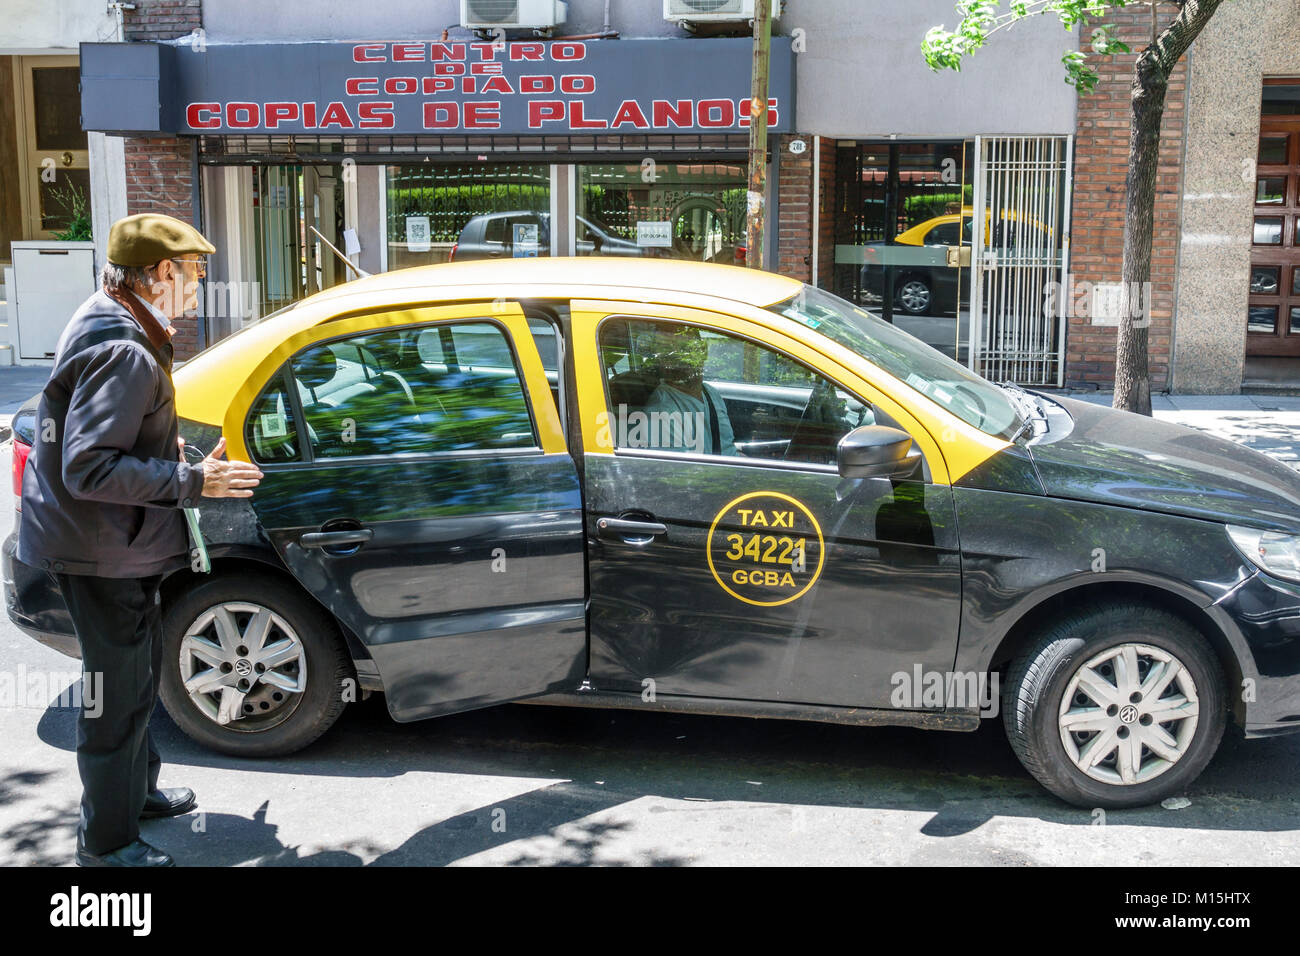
x=1271 y=551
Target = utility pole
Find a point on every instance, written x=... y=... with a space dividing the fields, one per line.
x=757 y=213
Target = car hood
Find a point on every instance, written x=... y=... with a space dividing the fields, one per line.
x=1118 y=458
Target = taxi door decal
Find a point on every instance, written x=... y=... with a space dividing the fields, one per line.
x=766 y=548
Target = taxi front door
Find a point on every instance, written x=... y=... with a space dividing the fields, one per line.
x=753 y=578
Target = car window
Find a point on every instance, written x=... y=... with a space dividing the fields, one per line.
x=494 y=229
x=973 y=399
x=944 y=234
x=270 y=432
x=452 y=387
x=683 y=388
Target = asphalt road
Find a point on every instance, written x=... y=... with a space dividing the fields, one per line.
x=543 y=785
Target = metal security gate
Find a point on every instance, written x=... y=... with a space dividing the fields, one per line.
x=1020 y=251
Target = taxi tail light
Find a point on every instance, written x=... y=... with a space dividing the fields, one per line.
x=21 y=451
x=454 y=247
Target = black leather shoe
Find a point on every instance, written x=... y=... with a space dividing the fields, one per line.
x=168 y=803
x=135 y=853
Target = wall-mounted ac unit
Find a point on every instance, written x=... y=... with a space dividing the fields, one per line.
x=713 y=11
x=485 y=14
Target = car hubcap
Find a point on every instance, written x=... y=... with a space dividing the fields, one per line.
x=243 y=662
x=1129 y=714
x=915 y=296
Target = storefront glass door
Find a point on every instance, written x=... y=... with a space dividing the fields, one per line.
x=903 y=224
x=288 y=201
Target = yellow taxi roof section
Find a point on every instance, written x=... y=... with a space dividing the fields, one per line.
x=207 y=383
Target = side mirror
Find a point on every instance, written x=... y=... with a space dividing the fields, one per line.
x=876 y=451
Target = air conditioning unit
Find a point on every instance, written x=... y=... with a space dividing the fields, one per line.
x=485 y=14
x=713 y=11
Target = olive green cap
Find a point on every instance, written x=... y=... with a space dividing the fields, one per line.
x=149 y=238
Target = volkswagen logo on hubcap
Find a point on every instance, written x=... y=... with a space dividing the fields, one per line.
x=1128 y=714
x=243 y=668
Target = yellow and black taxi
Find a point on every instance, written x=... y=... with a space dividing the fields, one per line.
x=689 y=487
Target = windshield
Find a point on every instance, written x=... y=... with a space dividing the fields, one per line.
x=973 y=399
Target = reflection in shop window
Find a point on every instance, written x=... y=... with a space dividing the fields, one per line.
x=461 y=211
x=668 y=210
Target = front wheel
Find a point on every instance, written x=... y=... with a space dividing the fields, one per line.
x=1116 y=706
x=252 y=666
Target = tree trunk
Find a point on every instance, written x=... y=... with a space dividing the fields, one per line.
x=1132 y=375
x=1150 y=82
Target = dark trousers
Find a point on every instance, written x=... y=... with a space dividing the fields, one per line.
x=119 y=626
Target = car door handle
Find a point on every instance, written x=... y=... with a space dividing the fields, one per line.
x=333 y=539
x=633 y=532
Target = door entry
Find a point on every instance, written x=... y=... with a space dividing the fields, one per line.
x=1020 y=247
x=1273 y=320
x=902 y=236
x=292 y=263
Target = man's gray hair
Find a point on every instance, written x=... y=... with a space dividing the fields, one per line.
x=113 y=276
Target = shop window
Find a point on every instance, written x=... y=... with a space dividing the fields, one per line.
x=1272 y=150
x=1264 y=280
x=1270 y=191
x=1268 y=231
x=1262 y=318
x=665 y=209
x=424 y=389
x=453 y=211
x=1295 y=320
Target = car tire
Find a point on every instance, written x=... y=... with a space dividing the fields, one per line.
x=1104 y=642
x=914 y=294
x=274 y=720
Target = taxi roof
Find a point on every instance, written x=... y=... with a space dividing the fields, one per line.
x=668 y=275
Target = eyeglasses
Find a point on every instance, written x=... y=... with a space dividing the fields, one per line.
x=201 y=263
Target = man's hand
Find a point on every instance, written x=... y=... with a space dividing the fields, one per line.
x=228 y=479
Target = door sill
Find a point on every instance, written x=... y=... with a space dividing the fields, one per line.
x=963 y=720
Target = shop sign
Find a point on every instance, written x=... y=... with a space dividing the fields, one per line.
x=404 y=87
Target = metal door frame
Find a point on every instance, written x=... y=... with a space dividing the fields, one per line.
x=983 y=261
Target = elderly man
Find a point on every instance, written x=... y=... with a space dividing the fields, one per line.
x=102 y=495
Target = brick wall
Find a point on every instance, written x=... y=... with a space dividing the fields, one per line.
x=796 y=194
x=794 y=208
x=159 y=171
x=1097 y=219
x=826 y=213
x=162 y=19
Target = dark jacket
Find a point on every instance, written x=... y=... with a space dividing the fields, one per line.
x=103 y=486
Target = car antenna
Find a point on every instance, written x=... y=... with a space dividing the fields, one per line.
x=361 y=273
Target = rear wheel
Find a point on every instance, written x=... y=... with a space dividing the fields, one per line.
x=1116 y=706
x=913 y=294
x=252 y=667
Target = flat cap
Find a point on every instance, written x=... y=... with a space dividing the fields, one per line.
x=149 y=238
